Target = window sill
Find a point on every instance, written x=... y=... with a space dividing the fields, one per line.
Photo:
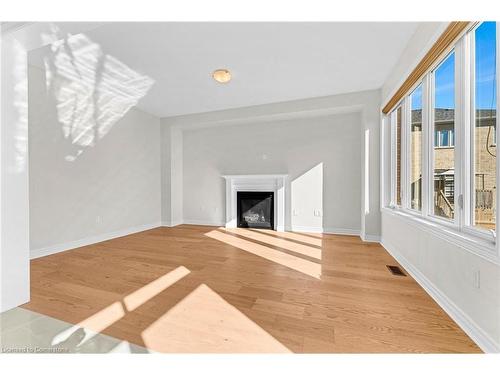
x=473 y=244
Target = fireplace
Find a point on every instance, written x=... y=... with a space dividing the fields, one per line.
x=276 y=184
x=255 y=209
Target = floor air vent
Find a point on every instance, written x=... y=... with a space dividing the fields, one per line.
x=395 y=270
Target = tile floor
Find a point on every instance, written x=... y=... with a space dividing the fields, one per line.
x=24 y=331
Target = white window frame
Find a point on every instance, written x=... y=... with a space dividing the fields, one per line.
x=451 y=136
x=407 y=124
x=459 y=228
x=430 y=108
x=393 y=128
x=469 y=128
x=404 y=151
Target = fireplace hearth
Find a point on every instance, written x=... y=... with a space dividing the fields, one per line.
x=255 y=209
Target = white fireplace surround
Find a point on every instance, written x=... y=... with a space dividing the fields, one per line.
x=276 y=183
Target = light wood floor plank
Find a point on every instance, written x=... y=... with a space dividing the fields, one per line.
x=207 y=289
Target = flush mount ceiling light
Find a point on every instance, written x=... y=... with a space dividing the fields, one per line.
x=222 y=75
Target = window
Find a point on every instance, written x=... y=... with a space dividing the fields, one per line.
x=416 y=149
x=484 y=127
x=444 y=138
x=398 y=155
x=444 y=127
x=443 y=145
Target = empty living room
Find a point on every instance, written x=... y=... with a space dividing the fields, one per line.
x=230 y=183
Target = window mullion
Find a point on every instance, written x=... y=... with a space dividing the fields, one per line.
x=497 y=70
x=472 y=148
x=427 y=145
x=405 y=153
x=467 y=117
x=462 y=136
x=392 y=122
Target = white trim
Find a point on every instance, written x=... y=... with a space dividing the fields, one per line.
x=53 y=249
x=370 y=238
x=464 y=321
x=277 y=183
x=497 y=127
x=254 y=176
x=203 y=222
x=469 y=118
x=305 y=229
x=382 y=160
x=342 y=231
x=405 y=151
x=408 y=154
x=326 y=230
x=299 y=229
x=261 y=118
x=170 y=224
x=459 y=129
x=295 y=228
x=393 y=183
x=466 y=80
x=426 y=146
x=474 y=245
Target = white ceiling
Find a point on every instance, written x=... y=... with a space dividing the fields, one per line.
x=270 y=62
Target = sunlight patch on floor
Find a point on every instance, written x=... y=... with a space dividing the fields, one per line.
x=298 y=264
x=111 y=314
x=144 y=294
x=104 y=318
x=203 y=322
x=279 y=242
x=313 y=240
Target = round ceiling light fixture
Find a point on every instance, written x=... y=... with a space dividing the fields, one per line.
x=222 y=75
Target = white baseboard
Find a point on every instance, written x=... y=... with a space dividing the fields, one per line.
x=343 y=231
x=170 y=223
x=476 y=333
x=204 y=222
x=370 y=238
x=327 y=230
x=301 y=228
x=295 y=228
x=48 y=250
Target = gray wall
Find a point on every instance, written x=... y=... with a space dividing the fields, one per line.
x=447 y=271
x=321 y=155
x=198 y=148
x=76 y=191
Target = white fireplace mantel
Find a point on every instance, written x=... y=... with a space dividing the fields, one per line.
x=276 y=183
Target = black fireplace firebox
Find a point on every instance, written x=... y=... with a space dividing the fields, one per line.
x=255 y=209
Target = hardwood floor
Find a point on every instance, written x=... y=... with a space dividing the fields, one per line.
x=208 y=289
